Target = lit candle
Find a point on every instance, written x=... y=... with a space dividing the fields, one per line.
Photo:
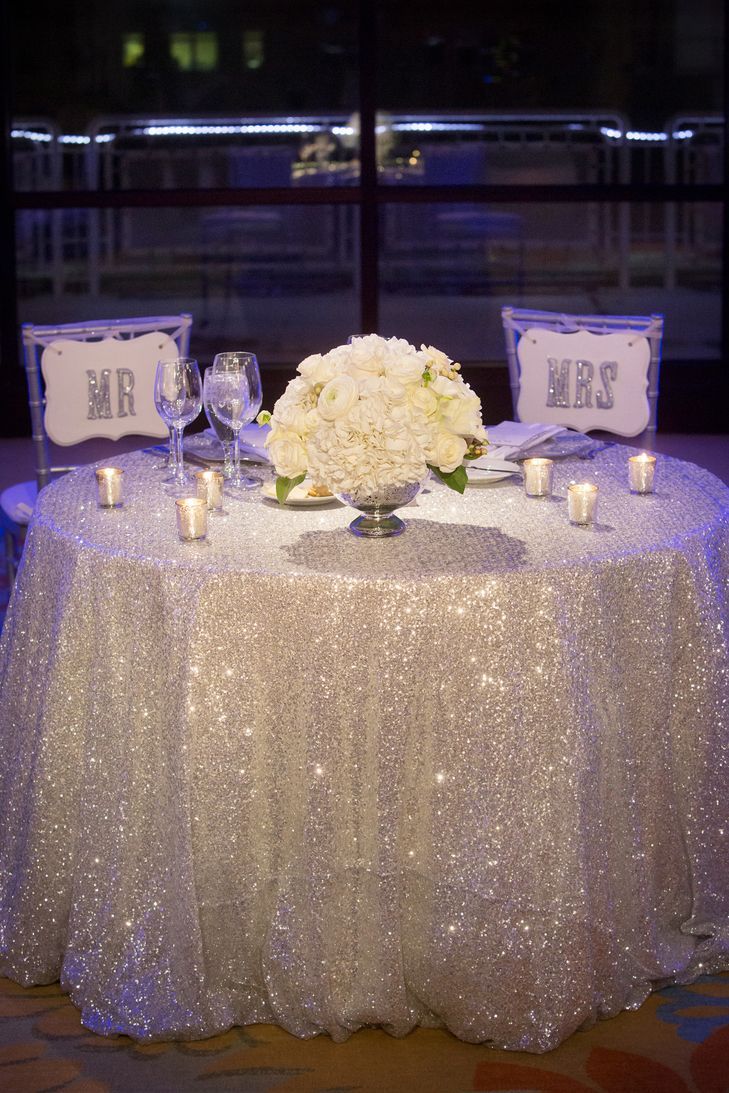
x=641 y=469
x=538 y=474
x=582 y=502
x=109 y=486
x=210 y=488
x=192 y=518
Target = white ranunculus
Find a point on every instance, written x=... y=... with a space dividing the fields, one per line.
x=337 y=397
x=288 y=454
x=448 y=451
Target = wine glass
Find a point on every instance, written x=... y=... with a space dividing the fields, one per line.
x=178 y=398
x=236 y=398
x=223 y=432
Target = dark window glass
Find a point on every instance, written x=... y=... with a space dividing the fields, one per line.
x=277 y=280
x=446 y=269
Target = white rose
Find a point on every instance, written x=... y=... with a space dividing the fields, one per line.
x=436 y=358
x=444 y=387
x=366 y=353
x=287 y=453
x=448 y=451
x=424 y=399
x=393 y=390
x=462 y=415
x=293 y=417
x=405 y=367
x=337 y=397
x=316 y=369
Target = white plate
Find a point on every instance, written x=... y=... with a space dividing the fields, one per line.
x=299 y=495
x=477 y=477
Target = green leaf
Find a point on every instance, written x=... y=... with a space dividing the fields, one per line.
x=456 y=480
x=284 y=486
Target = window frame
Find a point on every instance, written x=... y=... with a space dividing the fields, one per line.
x=368 y=196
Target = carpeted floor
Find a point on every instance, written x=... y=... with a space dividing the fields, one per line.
x=677 y=1042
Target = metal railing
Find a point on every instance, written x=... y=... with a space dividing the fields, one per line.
x=77 y=246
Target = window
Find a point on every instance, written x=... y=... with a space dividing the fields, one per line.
x=253 y=53
x=132 y=49
x=563 y=155
x=195 y=52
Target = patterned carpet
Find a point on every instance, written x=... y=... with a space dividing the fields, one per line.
x=677 y=1042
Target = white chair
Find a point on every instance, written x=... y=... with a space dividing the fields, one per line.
x=85 y=380
x=585 y=371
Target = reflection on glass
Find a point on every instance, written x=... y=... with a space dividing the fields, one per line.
x=132 y=49
x=197 y=51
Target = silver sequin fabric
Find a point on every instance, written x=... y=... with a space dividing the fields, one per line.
x=476 y=776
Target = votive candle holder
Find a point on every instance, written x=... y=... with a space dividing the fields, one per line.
x=192 y=518
x=109 y=486
x=641 y=472
x=538 y=476
x=210 y=488
x=582 y=502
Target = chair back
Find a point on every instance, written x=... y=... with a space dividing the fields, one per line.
x=585 y=371
x=96 y=379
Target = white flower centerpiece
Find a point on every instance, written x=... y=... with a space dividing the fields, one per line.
x=369 y=420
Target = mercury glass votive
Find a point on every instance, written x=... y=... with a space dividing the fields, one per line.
x=538 y=475
x=192 y=518
x=641 y=471
x=582 y=502
x=109 y=486
x=210 y=488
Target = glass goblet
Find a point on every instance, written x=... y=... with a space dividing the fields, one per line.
x=223 y=432
x=178 y=398
x=238 y=404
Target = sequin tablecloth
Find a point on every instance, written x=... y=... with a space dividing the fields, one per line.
x=476 y=776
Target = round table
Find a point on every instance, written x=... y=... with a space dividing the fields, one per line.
x=475 y=776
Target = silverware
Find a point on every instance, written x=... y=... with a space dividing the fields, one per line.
x=200 y=461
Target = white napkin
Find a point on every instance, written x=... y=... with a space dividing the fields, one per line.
x=252 y=437
x=511 y=437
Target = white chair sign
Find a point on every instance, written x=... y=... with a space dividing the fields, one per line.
x=584 y=372
x=585 y=381
x=103 y=389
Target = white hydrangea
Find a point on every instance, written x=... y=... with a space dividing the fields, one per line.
x=374 y=414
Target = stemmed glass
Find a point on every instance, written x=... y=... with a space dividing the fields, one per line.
x=235 y=397
x=178 y=398
x=223 y=432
